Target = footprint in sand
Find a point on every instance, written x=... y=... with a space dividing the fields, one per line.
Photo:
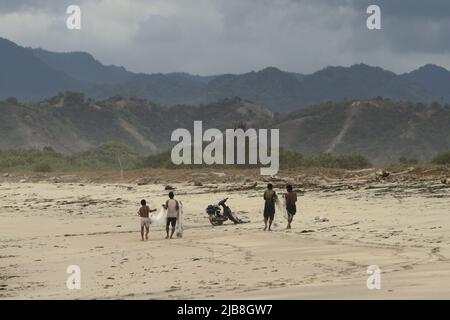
x=407 y=267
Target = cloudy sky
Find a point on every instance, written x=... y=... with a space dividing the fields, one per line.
x=234 y=36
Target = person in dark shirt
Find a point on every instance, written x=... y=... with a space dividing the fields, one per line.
x=291 y=208
x=269 y=206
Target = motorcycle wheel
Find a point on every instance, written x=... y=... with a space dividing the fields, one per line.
x=215 y=222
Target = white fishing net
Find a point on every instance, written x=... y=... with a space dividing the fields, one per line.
x=179 y=226
x=158 y=219
x=280 y=207
x=280 y=211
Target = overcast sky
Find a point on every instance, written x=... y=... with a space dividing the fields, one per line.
x=235 y=36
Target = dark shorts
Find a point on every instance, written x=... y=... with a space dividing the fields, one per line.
x=269 y=211
x=171 y=221
x=291 y=209
x=270 y=216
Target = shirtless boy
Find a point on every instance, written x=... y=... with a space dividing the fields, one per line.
x=144 y=212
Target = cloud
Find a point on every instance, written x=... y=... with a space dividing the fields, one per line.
x=50 y=6
x=218 y=36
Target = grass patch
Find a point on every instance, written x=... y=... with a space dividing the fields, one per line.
x=442 y=158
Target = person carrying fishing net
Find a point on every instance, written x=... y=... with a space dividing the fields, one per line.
x=173 y=207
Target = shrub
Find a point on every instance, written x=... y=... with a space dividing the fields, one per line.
x=442 y=158
x=12 y=101
x=42 y=167
x=288 y=159
x=160 y=160
x=108 y=156
x=328 y=160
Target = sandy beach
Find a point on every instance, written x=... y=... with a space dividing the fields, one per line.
x=402 y=227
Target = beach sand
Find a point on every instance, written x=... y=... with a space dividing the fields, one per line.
x=45 y=227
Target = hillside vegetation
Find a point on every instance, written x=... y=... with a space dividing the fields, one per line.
x=442 y=158
x=106 y=157
x=115 y=156
x=381 y=130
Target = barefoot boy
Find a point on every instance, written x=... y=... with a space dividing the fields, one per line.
x=143 y=212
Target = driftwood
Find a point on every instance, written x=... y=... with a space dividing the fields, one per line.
x=246 y=187
x=143 y=181
x=383 y=174
x=402 y=172
x=235 y=188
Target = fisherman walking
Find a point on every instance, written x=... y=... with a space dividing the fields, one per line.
x=291 y=208
x=173 y=207
x=269 y=206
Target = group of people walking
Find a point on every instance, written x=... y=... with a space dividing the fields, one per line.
x=172 y=207
x=270 y=198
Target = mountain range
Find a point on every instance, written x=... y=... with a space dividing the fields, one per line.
x=34 y=74
x=380 y=129
x=72 y=102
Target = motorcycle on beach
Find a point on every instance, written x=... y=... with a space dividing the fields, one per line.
x=220 y=212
